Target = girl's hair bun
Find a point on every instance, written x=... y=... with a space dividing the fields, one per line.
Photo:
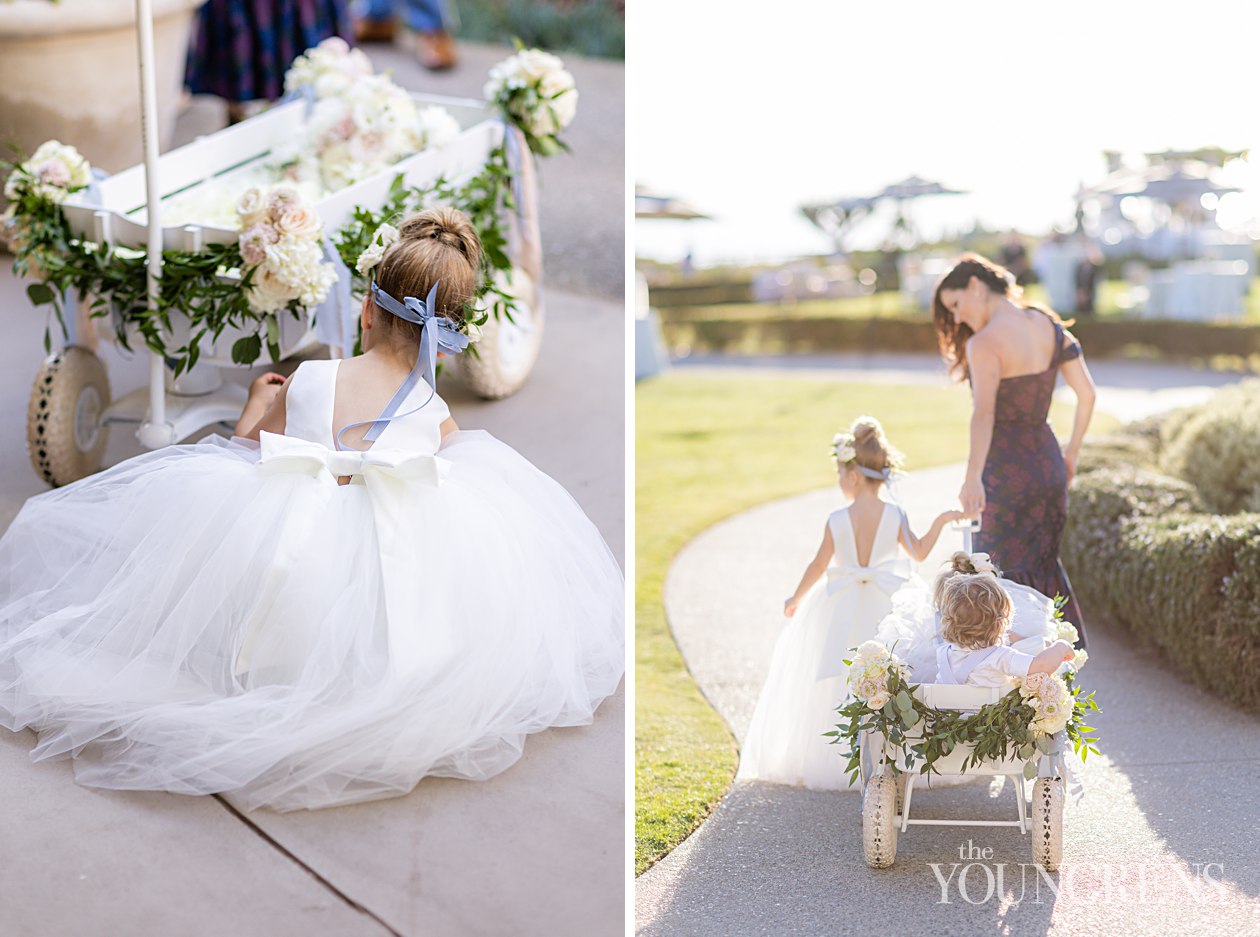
x=960 y=562
x=435 y=246
x=873 y=449
x=447 y=226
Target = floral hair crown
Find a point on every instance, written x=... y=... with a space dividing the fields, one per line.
x=843 y=448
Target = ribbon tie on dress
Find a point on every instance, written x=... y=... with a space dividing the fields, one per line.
x=436 y=334
x=888 y=576
x=289 y=453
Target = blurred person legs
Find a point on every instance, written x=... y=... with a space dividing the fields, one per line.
x=375 y=22
x=241 y=48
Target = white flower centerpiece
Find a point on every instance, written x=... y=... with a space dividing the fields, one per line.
x=534 y=91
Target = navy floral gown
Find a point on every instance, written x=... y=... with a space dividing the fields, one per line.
x=1025 y=484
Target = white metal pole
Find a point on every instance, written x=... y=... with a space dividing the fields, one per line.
x=155 y=431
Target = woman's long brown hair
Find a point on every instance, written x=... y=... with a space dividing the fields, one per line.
x=952 y=336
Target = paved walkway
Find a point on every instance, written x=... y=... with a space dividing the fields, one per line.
x=1129 y=390
x=539 y=850
x=1175 y=788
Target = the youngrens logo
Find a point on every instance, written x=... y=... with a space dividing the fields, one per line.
x=976 y=879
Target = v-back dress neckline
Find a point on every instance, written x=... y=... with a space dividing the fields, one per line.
x=875 y=541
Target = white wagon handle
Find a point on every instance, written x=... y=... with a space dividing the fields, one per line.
x=155 y=431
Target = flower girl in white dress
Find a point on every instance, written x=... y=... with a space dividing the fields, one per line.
x=330 y=614
x=860 y=556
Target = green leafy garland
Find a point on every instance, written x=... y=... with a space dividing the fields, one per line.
x=208 y=286
x=483 y=198
x=996 y=731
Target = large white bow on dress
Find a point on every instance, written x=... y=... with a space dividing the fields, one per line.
x=388 y=475
x=887 y=576
x=290 y=454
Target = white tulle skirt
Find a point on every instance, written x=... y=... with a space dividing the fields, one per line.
x=807 y=682
x=187 y=622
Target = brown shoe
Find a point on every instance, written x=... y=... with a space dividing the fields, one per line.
x=436 y=50
x=374 y=30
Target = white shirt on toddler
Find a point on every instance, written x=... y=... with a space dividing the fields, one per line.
x=987 y=666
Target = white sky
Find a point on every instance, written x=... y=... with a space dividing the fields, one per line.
x=748 y=109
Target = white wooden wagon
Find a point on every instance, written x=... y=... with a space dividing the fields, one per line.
x=890 y=775
x=72 y=408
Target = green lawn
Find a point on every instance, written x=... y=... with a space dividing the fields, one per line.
x=709 y=447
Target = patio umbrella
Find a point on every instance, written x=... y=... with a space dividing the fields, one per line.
x=1175 y=185
x=649 y=204
x=915 y=187
x=833 y=218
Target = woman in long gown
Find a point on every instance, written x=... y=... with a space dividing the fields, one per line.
x=1017 y=475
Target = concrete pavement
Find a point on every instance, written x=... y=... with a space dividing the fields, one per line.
x=1175 y=789
x=539 y=849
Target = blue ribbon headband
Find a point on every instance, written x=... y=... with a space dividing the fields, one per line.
x=436 y=334
x=882 y=476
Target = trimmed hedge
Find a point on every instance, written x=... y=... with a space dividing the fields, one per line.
x=1144 y=552
x=1217 y=448
x=702 y=294
x=1102 y=338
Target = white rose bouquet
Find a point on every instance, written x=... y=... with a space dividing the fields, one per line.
x=280 y=241
x=534 y=91
x=369 y=125
x=1050 y=700
x=869 y=673
x=361 y=122
x=328 y=69
x=53 y=172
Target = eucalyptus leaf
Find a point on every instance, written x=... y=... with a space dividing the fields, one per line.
x=40 y=294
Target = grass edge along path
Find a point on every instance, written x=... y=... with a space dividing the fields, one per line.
x=708 y=447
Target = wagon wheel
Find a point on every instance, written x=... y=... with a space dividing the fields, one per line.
x=63 y=420
x=507 y=350
x=879 y=821
x=1047 y=823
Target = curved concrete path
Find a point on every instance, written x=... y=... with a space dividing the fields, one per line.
x=1175 y=790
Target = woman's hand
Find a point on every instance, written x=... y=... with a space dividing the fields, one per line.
x=1069 y=459
x=971 y=496
x=789 y=606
